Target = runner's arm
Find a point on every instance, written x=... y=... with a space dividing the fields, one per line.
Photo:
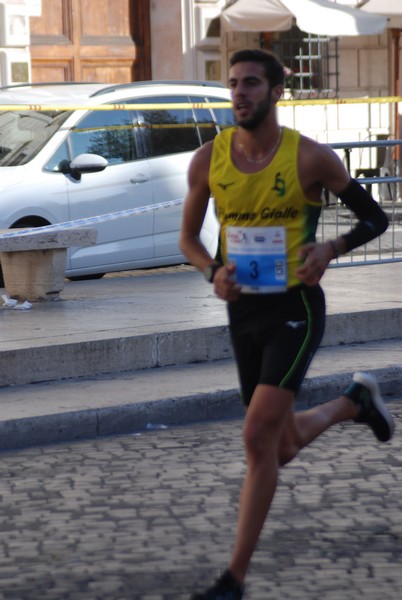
x=195 y=208
x=372 y=220
x=322 y=168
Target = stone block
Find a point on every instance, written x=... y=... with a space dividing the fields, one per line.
x=43 y=240
x=34 y=263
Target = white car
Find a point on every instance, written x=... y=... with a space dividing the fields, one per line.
x=70 y=162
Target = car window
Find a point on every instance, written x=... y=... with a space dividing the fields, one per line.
x=109 y=133
x=24 y=133
x=211 y=120
x=60 y=160
x=223 y=116
x=168 y=130
x=205 y=120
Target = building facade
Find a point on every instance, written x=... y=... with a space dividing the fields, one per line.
x=126 y=40
x=75 y=40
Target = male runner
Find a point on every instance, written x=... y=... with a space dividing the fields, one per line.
x=267 y=182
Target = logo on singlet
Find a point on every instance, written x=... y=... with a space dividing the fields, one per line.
x=224 y=186
x=280 y=185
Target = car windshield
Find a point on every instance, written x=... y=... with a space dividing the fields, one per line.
x=24 y=133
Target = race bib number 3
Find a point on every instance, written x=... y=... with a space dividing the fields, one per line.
x=259 y=254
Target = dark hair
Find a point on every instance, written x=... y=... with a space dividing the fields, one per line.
x=274 y=70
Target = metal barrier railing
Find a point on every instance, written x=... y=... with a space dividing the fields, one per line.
x=337 y=219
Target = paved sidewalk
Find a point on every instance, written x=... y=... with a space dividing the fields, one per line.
x=165 y=300
x=152 y=517
x=152 y=319
x=147 y=348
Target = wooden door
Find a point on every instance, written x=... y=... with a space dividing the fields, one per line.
x=91 y=40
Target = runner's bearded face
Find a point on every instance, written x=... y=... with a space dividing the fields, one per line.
x=258 y=115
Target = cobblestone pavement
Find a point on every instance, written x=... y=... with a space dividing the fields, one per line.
x=152 y=516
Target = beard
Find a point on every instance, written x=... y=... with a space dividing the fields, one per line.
x=258 y=116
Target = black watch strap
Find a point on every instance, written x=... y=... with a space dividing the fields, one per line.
x=210 y=270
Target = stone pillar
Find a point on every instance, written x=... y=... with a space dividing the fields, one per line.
x=34 y=275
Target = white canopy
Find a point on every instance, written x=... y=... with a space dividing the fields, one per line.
x=390 y=8
x=257 y=15
x=320 y=17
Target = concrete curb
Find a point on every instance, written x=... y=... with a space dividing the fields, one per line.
x=135 y=418
x=52 y=362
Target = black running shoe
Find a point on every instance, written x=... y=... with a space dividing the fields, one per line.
x=365 y=393
x=225 y=588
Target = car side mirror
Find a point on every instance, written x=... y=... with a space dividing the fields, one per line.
x=86 y=163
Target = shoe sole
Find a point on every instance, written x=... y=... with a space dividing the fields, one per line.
x=386 y=430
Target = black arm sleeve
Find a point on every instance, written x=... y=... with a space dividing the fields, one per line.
x=372 y=220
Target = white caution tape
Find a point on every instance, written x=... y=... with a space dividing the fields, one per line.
x=93 y=220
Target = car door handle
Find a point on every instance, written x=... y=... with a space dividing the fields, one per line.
x=140 y=178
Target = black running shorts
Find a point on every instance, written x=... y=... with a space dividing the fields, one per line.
x=275 y=336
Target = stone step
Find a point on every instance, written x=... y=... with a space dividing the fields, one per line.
x=137 y=400
x=50 y=359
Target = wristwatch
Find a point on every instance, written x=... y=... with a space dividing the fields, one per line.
x=210 y=270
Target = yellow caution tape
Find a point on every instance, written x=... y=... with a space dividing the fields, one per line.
x=49 y=107
x=195 y=105
x=337 y=101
